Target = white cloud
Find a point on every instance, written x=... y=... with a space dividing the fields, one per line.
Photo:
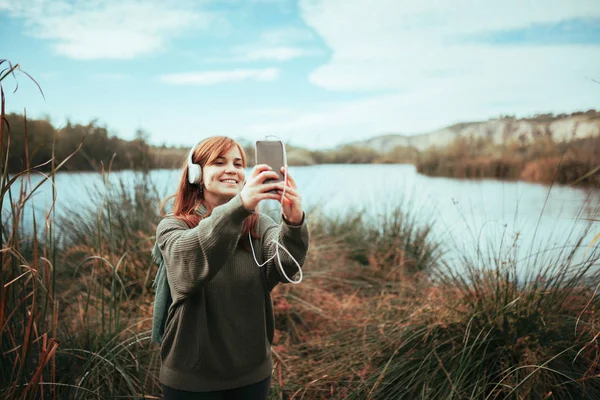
x=403 y=44
x=107 y=29
x=216 y=77
x=416 y=53
x=290 y=34
x=275 y=53
x=281 y=44
x=278 y=44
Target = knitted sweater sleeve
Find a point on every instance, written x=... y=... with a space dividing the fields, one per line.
x=295 y=238
x=194 y=256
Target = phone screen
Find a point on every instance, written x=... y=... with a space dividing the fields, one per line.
x=270 y=152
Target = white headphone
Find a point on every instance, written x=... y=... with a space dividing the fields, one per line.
x=194 y=170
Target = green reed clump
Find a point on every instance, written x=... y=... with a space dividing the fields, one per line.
x=101 y=294
x=96 y=365
x=492 y=332
x=394 y=242
x=116 y=229
x=106 y=272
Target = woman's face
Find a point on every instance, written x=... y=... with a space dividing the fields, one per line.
x=224 y=178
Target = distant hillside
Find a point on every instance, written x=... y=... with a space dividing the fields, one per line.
x=560 y=128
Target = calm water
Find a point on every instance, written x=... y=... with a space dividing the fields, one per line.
x=465 y=213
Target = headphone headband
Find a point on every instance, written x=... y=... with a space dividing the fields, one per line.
x=191 y=154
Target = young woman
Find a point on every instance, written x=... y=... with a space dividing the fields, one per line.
x=217 y=338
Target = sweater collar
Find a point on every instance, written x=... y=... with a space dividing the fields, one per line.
x=202 y=210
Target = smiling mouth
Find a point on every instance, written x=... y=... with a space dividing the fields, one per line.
x=229 y=181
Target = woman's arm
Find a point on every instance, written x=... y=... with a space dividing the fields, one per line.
x=194 y=256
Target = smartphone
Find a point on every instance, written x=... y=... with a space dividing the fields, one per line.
x=272 y=153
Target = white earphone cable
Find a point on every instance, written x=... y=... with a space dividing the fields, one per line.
x=277 y=244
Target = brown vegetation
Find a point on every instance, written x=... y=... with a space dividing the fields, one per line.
x=561 y=170
x=543 y=161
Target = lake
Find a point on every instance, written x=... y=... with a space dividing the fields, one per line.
x=466 y=214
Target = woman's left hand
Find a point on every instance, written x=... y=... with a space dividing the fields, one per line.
x=292 y=201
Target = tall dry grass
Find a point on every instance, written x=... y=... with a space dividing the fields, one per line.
x=28 y=315
x=69 y=326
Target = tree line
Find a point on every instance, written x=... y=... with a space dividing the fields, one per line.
x=97 y=147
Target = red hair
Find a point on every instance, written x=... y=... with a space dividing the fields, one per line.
x=188 y=197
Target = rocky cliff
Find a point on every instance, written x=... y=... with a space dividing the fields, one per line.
x=560 y=128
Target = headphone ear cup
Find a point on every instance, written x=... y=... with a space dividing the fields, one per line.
x=195 y=174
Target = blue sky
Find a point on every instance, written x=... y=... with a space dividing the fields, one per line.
x=316 y=73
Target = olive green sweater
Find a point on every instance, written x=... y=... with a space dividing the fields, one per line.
x=216 y=334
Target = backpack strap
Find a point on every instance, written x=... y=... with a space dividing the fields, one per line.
x=162 y=297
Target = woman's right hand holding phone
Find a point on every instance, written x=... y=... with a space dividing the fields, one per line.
x=255 y=190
